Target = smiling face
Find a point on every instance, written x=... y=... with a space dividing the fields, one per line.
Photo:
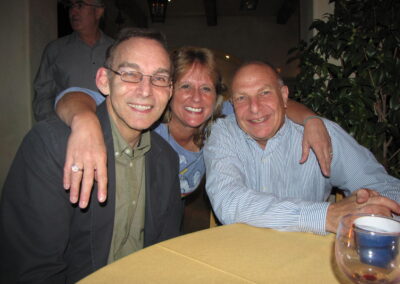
x=194 y=97
x=259 y=100
x=134 y=107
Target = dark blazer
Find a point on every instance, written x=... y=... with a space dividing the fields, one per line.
x=45 y=239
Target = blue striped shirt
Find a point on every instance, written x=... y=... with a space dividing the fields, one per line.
x=270 y=188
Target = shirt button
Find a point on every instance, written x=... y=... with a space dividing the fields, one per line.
x=127 y=151
x=131 y=164
x=133 y=202
x=117 y=154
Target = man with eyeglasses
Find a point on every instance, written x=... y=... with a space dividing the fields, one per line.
x=71 y=60
x=46 y=239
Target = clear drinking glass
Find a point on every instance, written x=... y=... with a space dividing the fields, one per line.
x=367 y=248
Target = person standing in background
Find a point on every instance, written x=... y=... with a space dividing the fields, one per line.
x=71 y=60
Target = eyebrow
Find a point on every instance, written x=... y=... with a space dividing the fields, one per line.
x=238 y=94
x=266 y=86
x=136 y=66
x=263 y=87
x=127 y=64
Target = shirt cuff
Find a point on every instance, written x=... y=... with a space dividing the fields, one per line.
x=96 y=96
x=313 y=217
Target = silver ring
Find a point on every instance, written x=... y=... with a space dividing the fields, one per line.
x=75 y=168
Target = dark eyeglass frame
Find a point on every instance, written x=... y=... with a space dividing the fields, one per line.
x=80 y=4
x=141 y=75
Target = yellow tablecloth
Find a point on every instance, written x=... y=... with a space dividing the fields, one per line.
x=229 y=254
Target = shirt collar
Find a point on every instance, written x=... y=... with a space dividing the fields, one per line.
x=101 y=39
x=121 y=147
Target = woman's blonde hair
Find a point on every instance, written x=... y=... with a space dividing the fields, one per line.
x=182 y=60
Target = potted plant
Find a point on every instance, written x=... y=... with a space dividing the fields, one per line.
x=350 y=73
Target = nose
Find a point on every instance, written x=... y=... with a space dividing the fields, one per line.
x=145 y=86
x=196 y=95
x=73 y=10
x=254 y=105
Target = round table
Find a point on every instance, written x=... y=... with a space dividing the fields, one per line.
x=235 y=253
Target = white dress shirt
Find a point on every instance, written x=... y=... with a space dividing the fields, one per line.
x=270 y=188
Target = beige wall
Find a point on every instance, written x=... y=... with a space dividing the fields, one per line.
x=25 y=27
x=243 y=37
x=247 y=38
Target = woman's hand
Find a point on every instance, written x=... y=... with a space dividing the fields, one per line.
x=316 y=136
x=87 y=152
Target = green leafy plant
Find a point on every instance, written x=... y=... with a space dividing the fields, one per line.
x=350 y=73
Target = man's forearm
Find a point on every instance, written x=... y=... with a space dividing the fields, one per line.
x=73 y=105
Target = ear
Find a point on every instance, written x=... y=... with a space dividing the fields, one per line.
x=285 y=95
x=102 y=81
x=99 y=13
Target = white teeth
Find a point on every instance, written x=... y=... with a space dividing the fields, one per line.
x=140 y=107
x=192 y=109
x=258 y=120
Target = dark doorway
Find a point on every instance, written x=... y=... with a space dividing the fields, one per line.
x=63 y=26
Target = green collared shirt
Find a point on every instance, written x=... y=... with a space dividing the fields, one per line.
x=128 y=232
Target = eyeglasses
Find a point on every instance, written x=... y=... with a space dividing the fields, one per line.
x=80 y=4
x=136 y=77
